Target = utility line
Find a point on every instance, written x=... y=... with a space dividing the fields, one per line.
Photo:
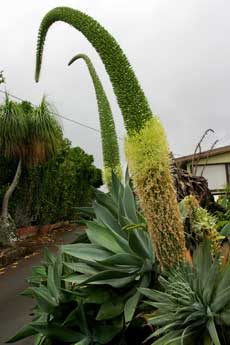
x=61 y=116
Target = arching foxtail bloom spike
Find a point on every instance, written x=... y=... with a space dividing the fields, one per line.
x=146 y=146
x=110 y=146
x=130 y=96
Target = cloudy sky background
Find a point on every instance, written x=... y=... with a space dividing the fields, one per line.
x=179 y=50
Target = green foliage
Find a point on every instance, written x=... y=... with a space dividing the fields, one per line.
x=223 y=216
x=110 y=146
x=88 y=294
x=48 y=193
x=199 y=223
x=14 y=128
x=44 y=134
x=66 y=182
x=194 y=306
x=31 y=134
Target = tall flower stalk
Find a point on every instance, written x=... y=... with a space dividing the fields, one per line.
x=110 y=146
x=146 y=145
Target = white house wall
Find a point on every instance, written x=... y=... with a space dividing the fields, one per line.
x=215 y=175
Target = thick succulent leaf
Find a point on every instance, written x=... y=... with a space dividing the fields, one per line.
x=113 y=278
x=39 y=270
x=224 y=280
x=24 y=332
x=44 y=299
x=172 y=337
x=116 y=189
x=155 y=295
x=106 y=238
x=213 y=333
x=225 y=317
x=107 y=201
x=122 y=219
x=81 y=237
x=107 y=218
x=48 y=257
x=87 y=212
x=28 y=292
x=202 y=261
x=210 y=282
x=129 y=205
x=110 y=309
x=222 y=300
x=77 y=278
x=195 y=316
x=123 y=259
x=225 y=231
x=127 y=177
x=52 y=284
x=103 y=335
x=71 y=319
x=140 y=243
x=130 y=306
x=58 y=333
x=99 y=295
x=82 y=320
x=86 y=252
x=39 y=339
x=84 y=341
x=82 y=267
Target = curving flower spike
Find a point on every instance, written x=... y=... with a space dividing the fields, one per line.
x=110 y=146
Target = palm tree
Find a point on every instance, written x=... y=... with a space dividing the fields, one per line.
x=29 y=136
x=110 y=146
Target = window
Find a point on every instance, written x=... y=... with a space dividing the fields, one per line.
x=215 y=175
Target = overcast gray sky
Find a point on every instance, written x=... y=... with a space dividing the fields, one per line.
x=179 y=50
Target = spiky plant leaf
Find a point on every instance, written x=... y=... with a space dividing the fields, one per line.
x=189 y=303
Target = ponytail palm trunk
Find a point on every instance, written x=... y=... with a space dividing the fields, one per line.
x=9 y=192
x=146 y=145
x=110 y=146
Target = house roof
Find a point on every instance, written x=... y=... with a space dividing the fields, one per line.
x=205 y=154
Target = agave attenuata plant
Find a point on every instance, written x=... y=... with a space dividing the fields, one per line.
x=88 y=294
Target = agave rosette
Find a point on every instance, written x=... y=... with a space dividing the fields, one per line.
x=194 y=306
x=88 y=294
x=119 y=252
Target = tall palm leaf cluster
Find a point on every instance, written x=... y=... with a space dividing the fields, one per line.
x=28 y=135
